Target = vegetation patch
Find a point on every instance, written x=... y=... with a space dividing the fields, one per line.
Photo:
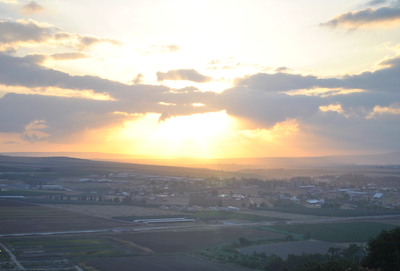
x=336 y=232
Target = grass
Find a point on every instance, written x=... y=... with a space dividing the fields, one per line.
x=52 y=250
x=336 y=232
x=4 y=255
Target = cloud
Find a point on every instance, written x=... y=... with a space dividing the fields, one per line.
x=31 y=7
x=10 y=142
x=162 y=49
x=137 y=79
x=384 y=16
x=283 y=82
x=282 y=69
x=382 y=80
x=20 y=33
x=391 y=62
x=376 y=2
x=69 y=56
x=31 y=138
x=260 y=101
x=183 y=74
x=393 y=109
x=185 y=90
x=331 y=107
x=170 y=48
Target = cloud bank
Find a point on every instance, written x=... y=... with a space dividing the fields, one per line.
x=370 y=17
x=19 y=33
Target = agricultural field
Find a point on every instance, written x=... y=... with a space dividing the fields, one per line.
x=159 y=263
x=296 y=248
x=187 y=241
x=111 y=210
x=21 y=217
x=58 y=253
x=337 y=232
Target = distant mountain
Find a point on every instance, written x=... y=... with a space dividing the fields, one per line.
x=372 y=159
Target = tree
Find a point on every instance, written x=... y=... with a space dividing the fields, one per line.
x=244 y=241
x=346 y=197
x=383 y=251
x=116 y=199
x=274 y=263
x=289 y=237
x=262 y=204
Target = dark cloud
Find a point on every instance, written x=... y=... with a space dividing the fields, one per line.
x=15 y=34
x=383 y=80
x=31 y=138
x=10 y=142
x=259 y=99
x=31 y=7
x=65 y=119
x=392 y=62
x=183 y=74
x=283 y=82
x=376 y=2
x=25 y=31
x=364 y=18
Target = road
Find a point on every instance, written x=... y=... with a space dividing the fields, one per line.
x=12 y=256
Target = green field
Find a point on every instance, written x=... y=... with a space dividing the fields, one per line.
x=217 y=215
x=331 y=212
x=27 y=193
x=337 y=232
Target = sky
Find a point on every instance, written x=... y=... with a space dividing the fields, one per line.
x=209 y=79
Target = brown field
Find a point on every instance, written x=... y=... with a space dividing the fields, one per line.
x=20 y=217
x=109 y=211
x=296 y=248
x=193 y=240
x=159 y=263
